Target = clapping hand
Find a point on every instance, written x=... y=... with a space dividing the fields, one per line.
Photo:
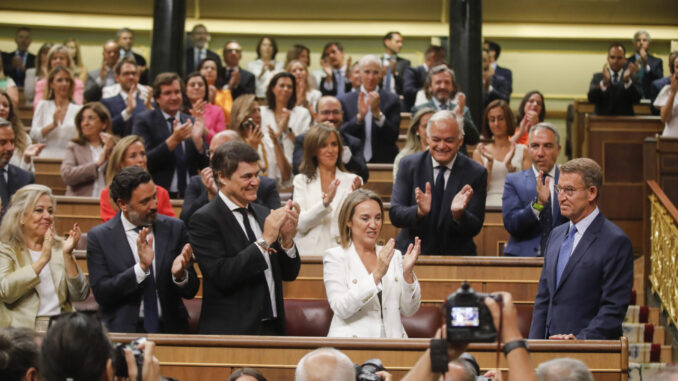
x=423 y=200
x=289 y=227
x=207 y=177
x=145 y=249
x=235 y=79
x=331 y=192
x=606 y=74
x=410 y=258
x=460 y=201
x=543 y=190
x=72 y=240
x=32 y=151
x=181 y=262
x=630 y=69
x=383 y=260
x=357 y=182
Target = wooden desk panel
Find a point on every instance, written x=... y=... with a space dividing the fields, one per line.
x=48 y=172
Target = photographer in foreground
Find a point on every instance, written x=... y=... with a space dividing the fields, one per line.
x=505 y=316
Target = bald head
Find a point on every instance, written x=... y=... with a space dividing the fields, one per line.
x=325 y=364
x=222 y=137
x=329 y=110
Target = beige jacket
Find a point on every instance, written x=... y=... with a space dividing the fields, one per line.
x=19 y=299
x=79 y=171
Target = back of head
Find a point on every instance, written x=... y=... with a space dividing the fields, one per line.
x=246 y=372
x=325 y=364
x=670 y=373
x=564 y=369
x=18 y=353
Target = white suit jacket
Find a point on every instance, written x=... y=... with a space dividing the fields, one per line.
x=352 y=295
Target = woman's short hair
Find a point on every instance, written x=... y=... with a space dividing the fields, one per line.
x=49 y=91
x=55 y=49
x=521 y=108
x=118 y=155
x=413 y=139
x=348 y=208
x=314 y=140
x=18 y=353
x=102 y=113
x=20 y=135
x=23 y=201
x=187 y=106
x=270 y=97
x=242 y=107
x=273 y=44
x=75 y=347
x=508 y=117
x=247 y=372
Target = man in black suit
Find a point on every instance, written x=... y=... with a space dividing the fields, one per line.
x=494 y=86
x=130 y=101
x=373 y=115
x=140 y=262
x=12 y=178
x=336 y=81
x=439 y=195
x=237 y=79
x=505 y=74
x=414 y=77
x=650 y=68
x=244 y=250
x=203 y=188
x=196 y=53
x=15 y=63
x=612 y=91
x=125 y=38
x=175 y=146
x=329 y=111
x=105 y=75
x=394 y=65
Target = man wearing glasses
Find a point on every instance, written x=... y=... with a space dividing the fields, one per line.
x=237 y=79
x=585 y=284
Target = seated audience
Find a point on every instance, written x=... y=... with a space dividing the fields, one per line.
x=103 y=76
x=203 y=188
x=8 y=86
x=448 y=213
x=650 y=68
x=238 y=80
x=395 y=65
x=416 y=136
x=530 y=208
x=531 y=111
x=335 y=80
x=36 y=73
x=19 y=355
x=54 y=118
x=494 y=86
x=246 y=374
x=414 y=77
x=307 y=96
x=564 y=369
x=131 y=98
x=196 y=103
x=668 y=104
x=16 y=63
x=283 y=121
x=39 y=277
x=129 y=151
x=498 y=125
x=79 y=69
x=218 y=94
x=141 y=293
x=505 y=74
x=24 y=150
x=58 y=55
x=197 y=51
x=265 y=66
x=612 y=91
x=372 y=305
x=12 y=177
x=320 y=190
x=325 y=364
x=373 y=115
x=84 y=164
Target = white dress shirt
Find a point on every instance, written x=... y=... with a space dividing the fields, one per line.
x=49 y=300
x=261 y=80
x=447 y=173
x=582 y=225
x=552 y=184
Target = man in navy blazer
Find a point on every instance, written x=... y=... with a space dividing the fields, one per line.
x=530 y=207
x=372 y=116
x=650 y=68
x=414 y=77
x=17 y=62
x=175 y=146
x=194 y=54
x=141 y=257
x=13 y=177
x=237 y=79
x=586 y=281
x=439 y=195
x=504 y=73
x=122 y=109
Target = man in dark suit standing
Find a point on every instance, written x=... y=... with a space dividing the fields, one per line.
x=97 y=79
x=650 y=68
x=439 y=195
x=530 y=207
x=414 y=77
x=494 y=86
x=612 y=91
x=244 y=250
x=585 y=284
x=140 y=262
x=329 y=111
x=12 y=178
x=237 y=79
x=336 y=81
x=506 y=74
x=203 y=188
x=125 y=38
x=394 y=66
x=175 y=146
x=373 y=115
x=196 y=53
x=130 y=101
x=17 y=62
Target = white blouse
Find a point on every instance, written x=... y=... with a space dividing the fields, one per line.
x=49 y=301
x=671 y=128
x=261 y=81
x=58 y=138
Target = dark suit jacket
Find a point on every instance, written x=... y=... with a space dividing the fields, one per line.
x=196 y=196
x=471 y=134
x=401 y=66
x=235 y=294
x=643 y=79
x=356 y=164
x=115 y=106
x=141 y=61
x=190 y=60
x=445 y=236
x=500 y=90
x=520 y=190
x=616 y=100
x=16 y=179
x=413 y=81
x=507 y=76
x=245 y=85
x=17 y=76
x=111 y=273
x=333 y=92
x=384 y=138
x=152 y=126
x=657 y=86
x=595 y=288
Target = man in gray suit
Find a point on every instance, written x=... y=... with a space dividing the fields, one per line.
x=105 y=75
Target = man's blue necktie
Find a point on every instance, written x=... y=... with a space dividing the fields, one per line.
x=180 y=157
x=565 y=252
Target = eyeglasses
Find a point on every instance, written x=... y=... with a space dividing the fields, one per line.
x=569 y=191
x=330 y=112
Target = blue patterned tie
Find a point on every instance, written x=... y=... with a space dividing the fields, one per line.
x=565 y=252
x=341 y=86
x=151 y=314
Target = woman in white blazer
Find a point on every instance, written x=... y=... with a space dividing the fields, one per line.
x=369 y=286
x=320 y=189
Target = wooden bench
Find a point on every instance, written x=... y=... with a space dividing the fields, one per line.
x=405 y=119
x=48 y=172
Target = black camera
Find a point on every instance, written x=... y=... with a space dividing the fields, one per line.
x=467 y=318
x=368 y=371
x=119 y=362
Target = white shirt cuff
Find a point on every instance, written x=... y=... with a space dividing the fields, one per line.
x=183 y=282
x=140 y=273
x=346 y=155
x=125 y=116
x=380 y=122
x=602 y=86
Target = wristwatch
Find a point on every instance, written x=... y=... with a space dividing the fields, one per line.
x=262 y=243
x=522 y=343
x=536 y=205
